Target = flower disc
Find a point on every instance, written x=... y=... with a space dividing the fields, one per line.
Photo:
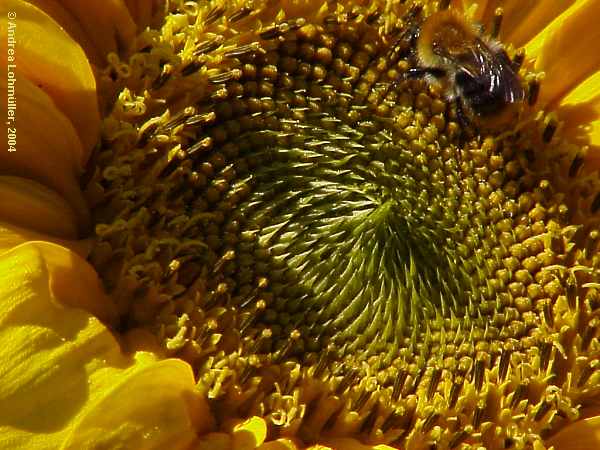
x=330 y=247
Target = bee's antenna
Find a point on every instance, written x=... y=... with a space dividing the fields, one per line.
x=497 y=23
x=443 y=4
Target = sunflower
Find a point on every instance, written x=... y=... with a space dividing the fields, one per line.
x=242 y=224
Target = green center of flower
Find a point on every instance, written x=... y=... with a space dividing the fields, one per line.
x=328 y=246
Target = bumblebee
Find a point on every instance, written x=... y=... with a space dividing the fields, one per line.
x=474 y=71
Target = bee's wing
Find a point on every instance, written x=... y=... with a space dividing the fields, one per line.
x=495 y=65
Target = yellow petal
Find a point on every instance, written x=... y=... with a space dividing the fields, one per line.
x=522 y=19
x=214 y=441
x=142 y=11
x=66 y=20
x=53 y=61
x=581 y=435
x=64 y=378
x=566 y=50
x=280 y=444
x=520 y=28
x=580 y=112
x=141 y=339
x=583 y=102
x=34 y=104
x=47 y=147
x=12 y=235
x=32 y=205
x=75 y=282
x=249 y=434
x=353 y=444
x=46 y=353
x=107 y=23
x=148 y=409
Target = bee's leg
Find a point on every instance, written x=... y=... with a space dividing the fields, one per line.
x=418 y=72
x=464 y=123
x=463 y=120
x=468 y=128
x=405 y=44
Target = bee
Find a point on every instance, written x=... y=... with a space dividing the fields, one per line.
x=473 y=71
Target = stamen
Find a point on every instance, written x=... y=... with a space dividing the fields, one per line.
x=497 y=22
x=549 y=129
x=533 y=93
